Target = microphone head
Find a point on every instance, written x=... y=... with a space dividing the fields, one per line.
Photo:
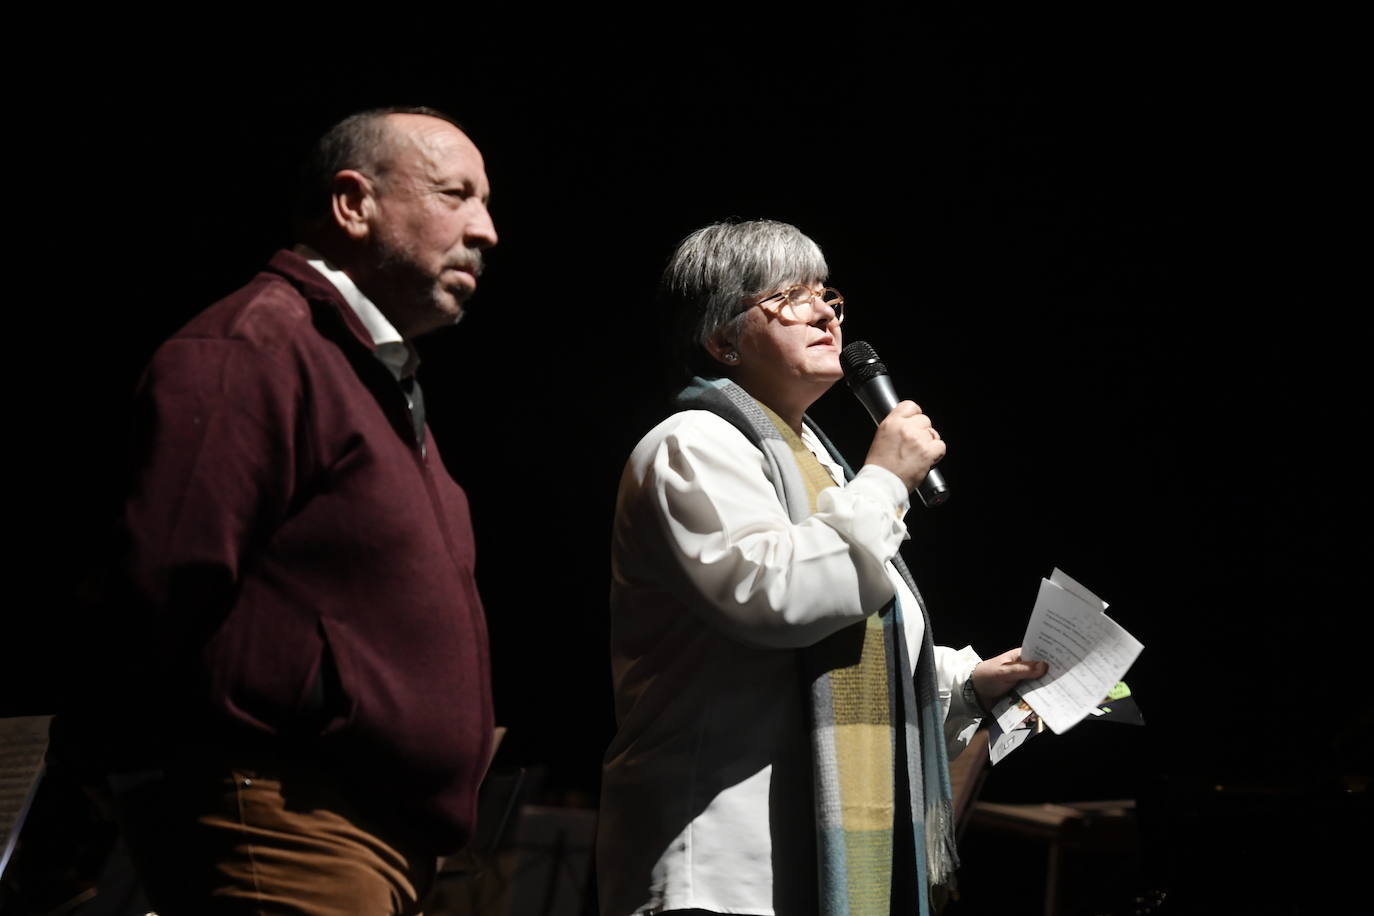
x=860 y=363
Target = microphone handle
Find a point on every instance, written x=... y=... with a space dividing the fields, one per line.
x=879 y=397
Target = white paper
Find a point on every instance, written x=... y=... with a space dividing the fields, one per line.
x=1012 y=723
x=1061 y=579
x=1086 y=650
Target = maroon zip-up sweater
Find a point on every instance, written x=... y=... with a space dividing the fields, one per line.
x=306 y=566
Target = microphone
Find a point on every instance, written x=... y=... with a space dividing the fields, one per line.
x=867 y=377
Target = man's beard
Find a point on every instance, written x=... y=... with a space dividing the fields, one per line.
x=413 y=292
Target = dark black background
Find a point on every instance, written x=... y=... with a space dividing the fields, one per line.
x=1099 y=252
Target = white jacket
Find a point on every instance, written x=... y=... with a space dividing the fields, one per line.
x=706 y=788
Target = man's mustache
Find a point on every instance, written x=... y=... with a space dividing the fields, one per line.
x=470 y=260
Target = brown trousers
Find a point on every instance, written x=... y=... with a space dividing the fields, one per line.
x=254 y=842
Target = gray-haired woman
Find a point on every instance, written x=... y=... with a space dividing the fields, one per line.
x=784 y=717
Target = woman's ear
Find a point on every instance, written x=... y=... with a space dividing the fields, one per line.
x=721 y=346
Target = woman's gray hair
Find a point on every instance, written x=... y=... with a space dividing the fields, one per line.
x=718 y=271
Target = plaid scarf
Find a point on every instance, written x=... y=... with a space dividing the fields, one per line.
x=856 y=695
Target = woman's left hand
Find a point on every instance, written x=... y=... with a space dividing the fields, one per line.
x=995 y=676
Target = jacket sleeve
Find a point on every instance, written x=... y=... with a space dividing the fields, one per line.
x=962 y=718
x=699 y=489
x=215 y=454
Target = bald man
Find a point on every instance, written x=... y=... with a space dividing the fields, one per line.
x=314 y=714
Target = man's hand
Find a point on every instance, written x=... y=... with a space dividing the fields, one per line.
x=995 y=676
x=906 y=444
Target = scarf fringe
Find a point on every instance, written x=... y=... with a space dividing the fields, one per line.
x=942 y=858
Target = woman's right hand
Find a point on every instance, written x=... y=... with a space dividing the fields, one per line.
x=906 y=444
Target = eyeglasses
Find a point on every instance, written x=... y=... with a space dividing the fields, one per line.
x=804 y=305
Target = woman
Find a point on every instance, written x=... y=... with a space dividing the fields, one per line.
x=770 y=758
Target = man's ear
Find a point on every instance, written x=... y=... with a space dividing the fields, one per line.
x=353 y=203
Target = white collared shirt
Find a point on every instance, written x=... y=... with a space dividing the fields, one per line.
x=396 y=353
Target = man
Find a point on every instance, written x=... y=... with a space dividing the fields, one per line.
x=316 y=715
